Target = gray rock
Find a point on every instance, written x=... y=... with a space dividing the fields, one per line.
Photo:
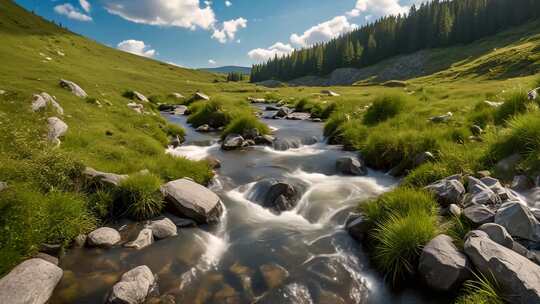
x=518 y=221
x=73 y=87
x=505 y=168
x=200 y=96
x=476 y=130
x=533 y=94
x=187 y=198
x=140 y=97
x=163 y=228
x=498 y=234
x=493 y=104
x=495 y=186
x=282 y=112
x=177 y=95
x=330 y=93
x=283 y=144
x=455 y=210
x=103 y=237
x=256 y=100
x=274 y=275
x=479 y=214
x=442 y=266
x=447 y=191
x=265 y=140
x=31 y=282
x=57 y=128
x=144 y=239
x=442 y=118
x=103 y=178
x=423 y=158
x=518 y=277
x=180 y=110
x=47 y=257
x=175 y=141
x=250 y=133
x=134 y=286
x=41 y=101
x=357 y=226
x=204 y=128
x=137 y=107
x=232 y=142
x=521 y=183
x=278 y=195
x=351 y=166
x=298 y=116
x=480 y=193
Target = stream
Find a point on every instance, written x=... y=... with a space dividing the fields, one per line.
x=223 y=263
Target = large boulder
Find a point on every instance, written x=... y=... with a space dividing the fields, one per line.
x=31 y=282
x=479 y=214
x=518 y=221
x=278 y=195
x=498 y=234
x=103 y=178
x=163 y=228
x=133 y=287
x=144 y=239
x=41 y=101
x=351 y=166
x=73 y=87
x=103 y=237
x=232 y=142
x=187 y=198
x=56 y=129
x=518 y=277
x=447 y=191
x=442 y=266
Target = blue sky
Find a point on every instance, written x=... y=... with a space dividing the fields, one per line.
x=198 y=33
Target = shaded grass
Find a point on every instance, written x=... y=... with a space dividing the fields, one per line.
x=140 y=196
x=481 y=290
x=515 y=103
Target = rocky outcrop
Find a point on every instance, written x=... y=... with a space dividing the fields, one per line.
x=33 y=281
x=103 y=178
x=189 y=199
x=518 y=277
x=442 y=266
x=56 y=129
x=103 y=237
x=134 y=286
x=518 y=221
x=41 y=101
x=232 y=142
x=350 y=165
x=447 y=191
x=144 y=239
x=73 y=87
x=164 y=228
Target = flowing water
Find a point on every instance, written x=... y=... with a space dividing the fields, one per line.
x=222 y=263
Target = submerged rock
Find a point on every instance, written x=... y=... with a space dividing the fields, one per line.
x=357 y=226
x=264 y=140
x=164 y=228
x=57 y=128
x=518 y=277
x=187 y=198
x=442 y=266
x=274 y=275
x=73 y=87
x=144 y=239
x=103 y=237
x=134 y=286
x=351 y=166
x=518 y=221
x=31 y=282
x=291 y=294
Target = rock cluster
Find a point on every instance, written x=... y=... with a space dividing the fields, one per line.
x=42 y=100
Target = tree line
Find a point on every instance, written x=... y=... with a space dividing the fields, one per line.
x=438 y=23
x=235 y=76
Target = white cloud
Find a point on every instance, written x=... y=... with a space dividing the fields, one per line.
x=228 y=3
x=180 y=13
x=85 y=5
x=323 y=32
x=71 y=12
x=279 y=49
x=229 y=30
x=212 y=61
x=136 y=47
x=378 y=8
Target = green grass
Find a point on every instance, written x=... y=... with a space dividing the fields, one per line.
x=481 y=290
x=140 y=196
x=384 y=107
x=515 y=103
x=243 y=123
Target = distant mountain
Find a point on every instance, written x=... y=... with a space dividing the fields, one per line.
x=228 y=69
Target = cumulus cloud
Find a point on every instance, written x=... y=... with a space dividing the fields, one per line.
x=229 y=30
x=212 y=61
x=279 y=49
x=71 y=12
x=85 y=5
x=323 y=32
x=228 y=3
x=378 y=7
x=180 y=13
x=136 y=47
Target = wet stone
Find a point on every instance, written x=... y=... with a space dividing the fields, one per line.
x=274 y=275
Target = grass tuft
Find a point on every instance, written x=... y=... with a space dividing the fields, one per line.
x=385 y=107
x=481 y=290
x=245 y=122
x=140 y=196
